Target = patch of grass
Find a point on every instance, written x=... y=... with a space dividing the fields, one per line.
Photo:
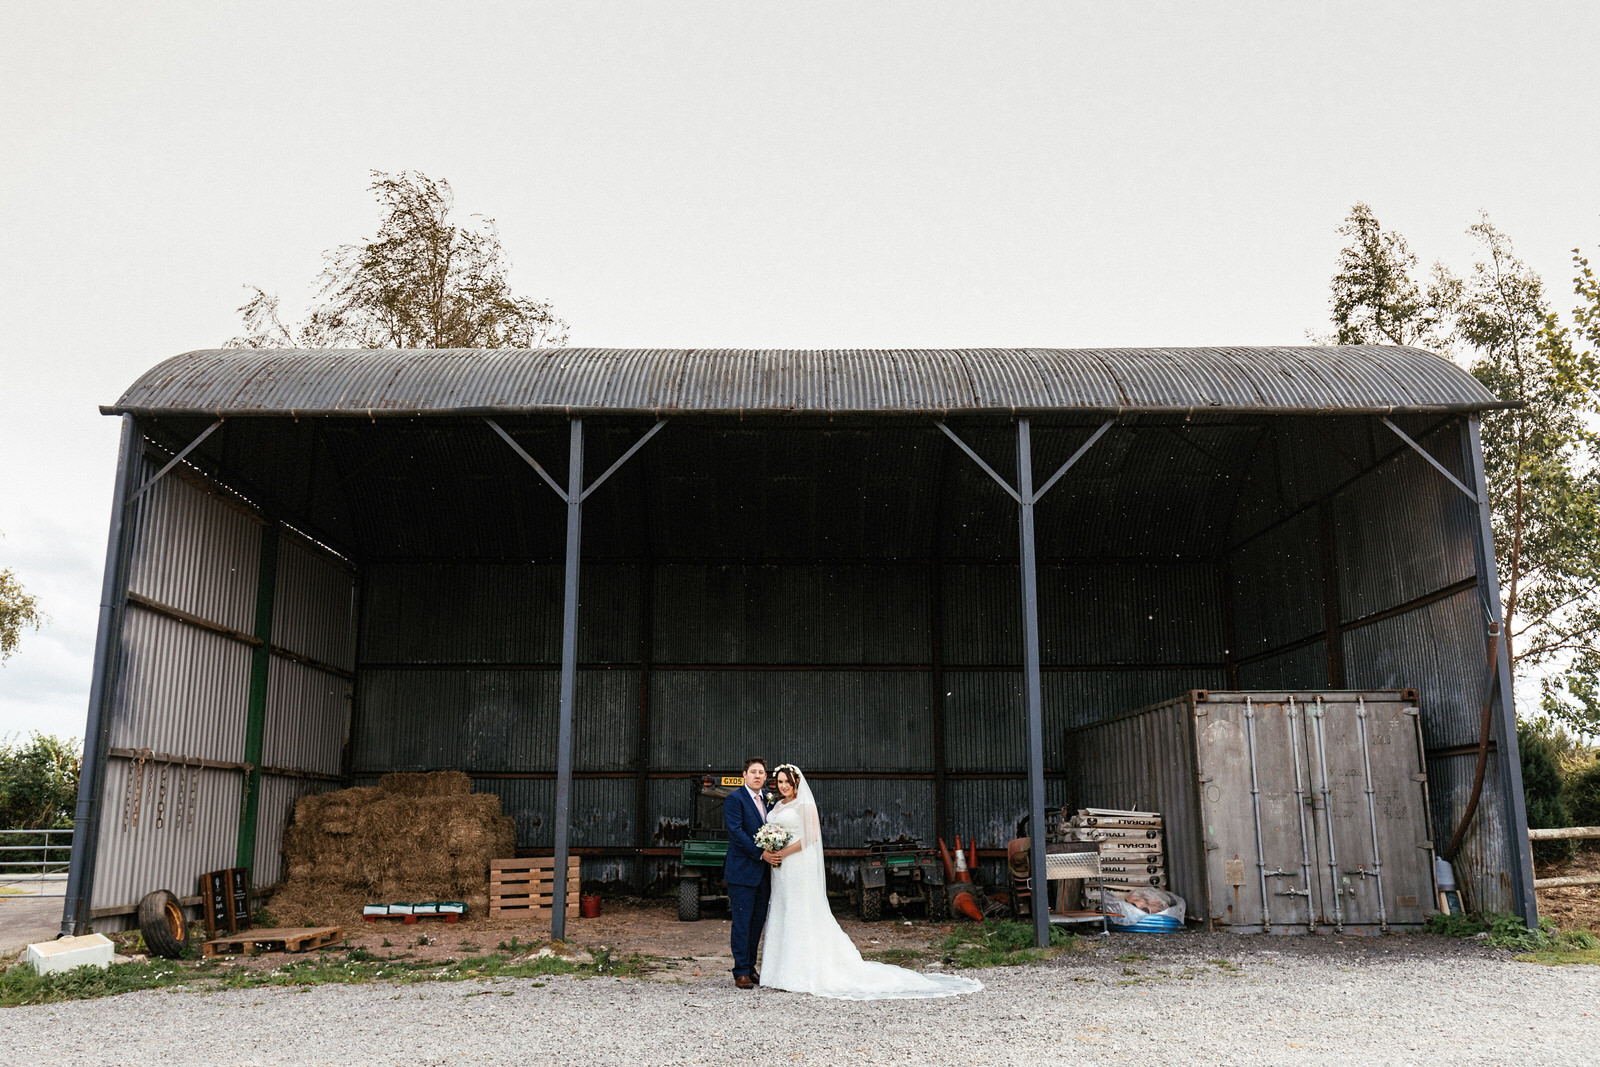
x=263 y=918
x=512 y=946
x=1001 y=944
x=1227 y=966
x=469 y=946
x=900 y=957
x=1132 y=957
x=22 y=985
x=1556 y=957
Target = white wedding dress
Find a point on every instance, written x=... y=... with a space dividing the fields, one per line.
x=805 y=950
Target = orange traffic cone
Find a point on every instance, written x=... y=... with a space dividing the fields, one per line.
x=963 y=901
x=962 y=874
x=949 y=867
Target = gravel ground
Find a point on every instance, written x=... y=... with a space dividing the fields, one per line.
x=1301 y=1001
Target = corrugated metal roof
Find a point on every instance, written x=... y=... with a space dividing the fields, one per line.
x=1347 y=379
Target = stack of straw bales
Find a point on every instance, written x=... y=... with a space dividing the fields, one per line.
x=413 y=837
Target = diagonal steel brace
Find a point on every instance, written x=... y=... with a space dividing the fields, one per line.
x=1436 y=464
x=551 y=482
x=1033 y=497
x=174 y=461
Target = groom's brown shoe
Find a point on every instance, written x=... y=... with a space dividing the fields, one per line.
x=744 y=981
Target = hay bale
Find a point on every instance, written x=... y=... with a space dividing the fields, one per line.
x=415 y=837
x=432 y=784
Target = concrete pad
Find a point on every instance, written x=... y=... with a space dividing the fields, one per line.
x=24 y=920
x=90 y=950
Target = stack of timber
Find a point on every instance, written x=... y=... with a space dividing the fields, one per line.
x=525 y=888
x=412 y=837
x=1132 y=848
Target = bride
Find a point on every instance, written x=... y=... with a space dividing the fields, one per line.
x=806 y=951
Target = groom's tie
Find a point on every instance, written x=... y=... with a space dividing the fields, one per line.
x=762 y=808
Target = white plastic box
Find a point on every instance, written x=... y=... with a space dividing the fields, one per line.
x=93 y=950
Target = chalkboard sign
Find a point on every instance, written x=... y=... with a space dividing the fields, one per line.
x=225 y=900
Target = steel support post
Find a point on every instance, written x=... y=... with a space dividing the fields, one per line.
x=102 y=688
x=1033 y=692
x=574 y=496
x=569 y=677
x=1521 y=861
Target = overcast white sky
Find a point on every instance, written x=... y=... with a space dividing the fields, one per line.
x=696 y=174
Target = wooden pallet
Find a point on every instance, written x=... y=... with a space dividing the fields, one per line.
x=525 y=888
x=294 y=939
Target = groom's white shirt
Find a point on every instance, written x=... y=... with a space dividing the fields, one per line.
x=762 y=808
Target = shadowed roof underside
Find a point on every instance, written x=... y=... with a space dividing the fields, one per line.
x=1349 y=379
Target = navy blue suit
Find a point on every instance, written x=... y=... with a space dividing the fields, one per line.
x=749 y=878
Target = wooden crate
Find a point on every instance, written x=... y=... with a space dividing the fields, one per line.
x=525 y=888
x=290 y=939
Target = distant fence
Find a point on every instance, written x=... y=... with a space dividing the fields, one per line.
x=1562 y=833
x=33 y=855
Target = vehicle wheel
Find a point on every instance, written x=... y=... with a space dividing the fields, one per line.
x=938 y=903
x=688 y=900
x=161 y=921
x=872 y=904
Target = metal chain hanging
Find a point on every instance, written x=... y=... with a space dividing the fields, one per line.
x=161 y=796
x=194 y=786
x=135 y=794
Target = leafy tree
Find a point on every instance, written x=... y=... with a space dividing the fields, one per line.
x=1375 y=300
x=1544 y=479
x=422 y=282
x=1542 y=460
x=38 y=783
x=19 y=610
x=1543 y=787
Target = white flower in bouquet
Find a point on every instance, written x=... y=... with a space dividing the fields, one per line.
x=772 y=837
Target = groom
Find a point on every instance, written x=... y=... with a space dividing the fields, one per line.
x=749 y=877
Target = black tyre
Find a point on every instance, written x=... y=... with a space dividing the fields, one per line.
x=938 y=903
x=688 y=900
x=161 y=921
x=872 y=904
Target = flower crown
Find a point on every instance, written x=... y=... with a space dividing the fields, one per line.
x=794 y=772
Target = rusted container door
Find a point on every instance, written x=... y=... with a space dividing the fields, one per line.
x=1252 y=795
x=1374 y=856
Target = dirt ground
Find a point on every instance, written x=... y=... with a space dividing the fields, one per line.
x=1573 y=907
x=650 y=927
x=646 y=926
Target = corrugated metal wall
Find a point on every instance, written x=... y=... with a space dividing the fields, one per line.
x=183 y=685
x=825 y=664
x=1409 y=615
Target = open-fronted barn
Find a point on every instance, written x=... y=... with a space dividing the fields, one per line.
x=583 y=576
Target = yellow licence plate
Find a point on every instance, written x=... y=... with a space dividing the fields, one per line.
x=732 y=779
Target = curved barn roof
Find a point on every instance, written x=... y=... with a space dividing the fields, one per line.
x=1348 y=379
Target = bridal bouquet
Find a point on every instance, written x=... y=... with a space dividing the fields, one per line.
x=772 y=837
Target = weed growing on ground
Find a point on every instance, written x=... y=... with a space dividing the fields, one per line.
x=900 y=957
x=1001 y=944
x=1547 y=944
x=22 y=985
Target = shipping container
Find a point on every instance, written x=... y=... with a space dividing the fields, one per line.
x=1284 y=812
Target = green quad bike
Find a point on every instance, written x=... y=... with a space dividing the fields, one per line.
x=900 y=873
x=704 y=850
